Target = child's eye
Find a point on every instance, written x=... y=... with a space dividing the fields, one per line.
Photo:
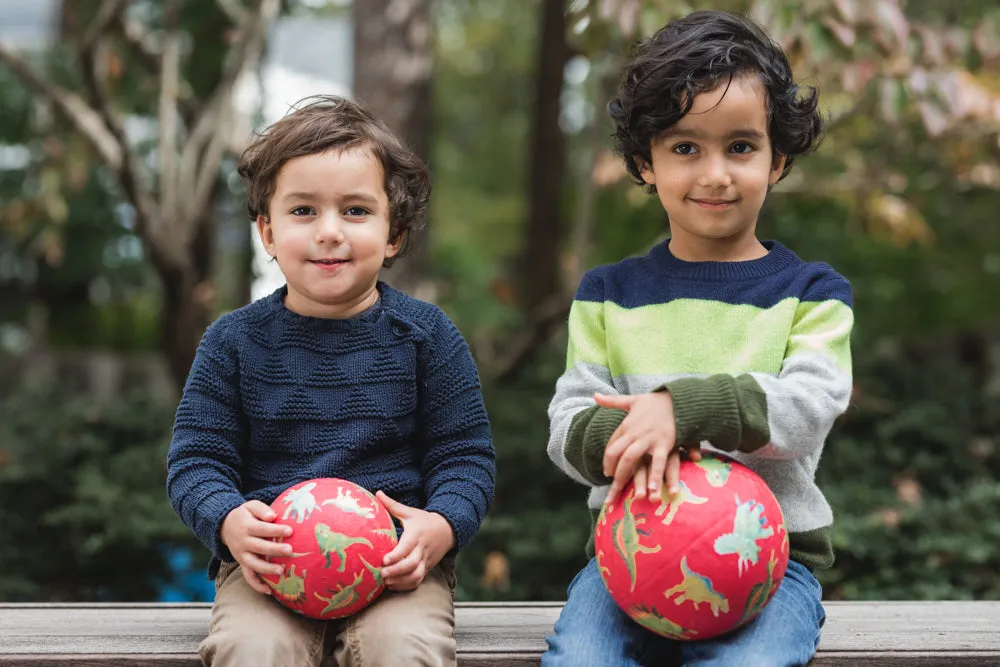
x=685 y=149
x=741 y=148
x=300 y=211
x=356 y=212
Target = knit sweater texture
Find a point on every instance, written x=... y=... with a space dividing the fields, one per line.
x=389 y=399
x=755 y=354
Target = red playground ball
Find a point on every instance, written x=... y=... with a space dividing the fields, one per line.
x=700 y=564
x=340 y=534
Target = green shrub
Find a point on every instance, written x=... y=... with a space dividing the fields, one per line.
x=82 y=488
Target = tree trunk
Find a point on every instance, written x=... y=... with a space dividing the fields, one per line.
x=547 y=163
x=393 y=64
x=188 y=299
x=183 y=322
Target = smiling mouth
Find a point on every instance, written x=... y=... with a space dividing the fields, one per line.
x=714 y=203
x=329 y=262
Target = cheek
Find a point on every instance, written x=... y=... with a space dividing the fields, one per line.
x=291 y=240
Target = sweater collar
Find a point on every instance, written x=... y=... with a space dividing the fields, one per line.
x=388 y=300
x=778 y=258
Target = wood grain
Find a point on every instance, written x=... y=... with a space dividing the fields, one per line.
x=489 y=634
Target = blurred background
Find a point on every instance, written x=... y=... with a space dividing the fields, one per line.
x=123 y=234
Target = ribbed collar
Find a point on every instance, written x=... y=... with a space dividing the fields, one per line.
x=778 y=258
x=274 y=304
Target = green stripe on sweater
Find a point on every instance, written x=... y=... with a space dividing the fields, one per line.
x=691 y=336
x=823 y=327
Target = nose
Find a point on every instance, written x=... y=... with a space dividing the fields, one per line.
x=715 y=173
x=329 y=229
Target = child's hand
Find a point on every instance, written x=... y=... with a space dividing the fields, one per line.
x=643 y=475
x=646 y=434
x=248 y=533
x=426 y=538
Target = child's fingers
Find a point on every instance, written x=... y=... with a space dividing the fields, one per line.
x=254 y=563
x=657 y=468
x=615 y=401
x=407 y=543
x=629 y=461
x=613 y=451
x=255 y=583
x=612 y=493
x=621 y=477
x=260 y=511
x=268 y=530
x=413 y=562
x=640 y=481
x=396 y=508
x=252 y=567
x=673 y=472
x=694 y=452
x=404 y=583
x=267 y=547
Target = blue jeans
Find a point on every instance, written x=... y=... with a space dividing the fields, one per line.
x=592 y=631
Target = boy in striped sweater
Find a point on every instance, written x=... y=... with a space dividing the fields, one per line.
x=714 y=339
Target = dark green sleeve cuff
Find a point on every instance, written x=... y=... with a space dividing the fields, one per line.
x=730 y=412
x=588 y=437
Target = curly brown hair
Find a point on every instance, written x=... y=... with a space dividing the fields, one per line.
x=692 y=55
x=323 y=123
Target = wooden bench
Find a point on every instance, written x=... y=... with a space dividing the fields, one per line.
x=904 y=634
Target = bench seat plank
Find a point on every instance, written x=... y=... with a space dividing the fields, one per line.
x=488 y=634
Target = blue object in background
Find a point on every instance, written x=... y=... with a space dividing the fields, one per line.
x=188 y=579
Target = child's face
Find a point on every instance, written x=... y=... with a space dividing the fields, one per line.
x=329 y=231
x=712 y=170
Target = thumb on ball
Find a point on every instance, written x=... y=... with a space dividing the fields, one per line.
x=396 y=508
x=261 y=511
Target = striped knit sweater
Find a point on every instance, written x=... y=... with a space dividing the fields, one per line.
x=755 y=354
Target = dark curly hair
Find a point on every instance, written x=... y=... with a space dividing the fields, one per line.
x=324 y=123
x=696 y=54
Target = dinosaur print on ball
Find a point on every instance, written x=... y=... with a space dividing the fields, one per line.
x=701 y=563
x=340 y=534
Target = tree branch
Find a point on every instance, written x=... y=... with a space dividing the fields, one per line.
x=551 y=314
x=130 y=170
x=200 y=148
x=142 y=44
x=108 y=13
x=87 y=121
x=167 y=112
x=140 y=40
x=233 y=9
x=208 y=174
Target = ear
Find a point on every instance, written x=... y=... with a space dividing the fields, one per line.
x=392 y=247
x=645 y=170
x=266 y=233
x=777 y=166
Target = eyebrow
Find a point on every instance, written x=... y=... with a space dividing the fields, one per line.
x=738 y=133
x=352 y=196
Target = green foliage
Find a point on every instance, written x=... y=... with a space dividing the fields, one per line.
x=83 y=490
x=539 y=520
x=913 y=475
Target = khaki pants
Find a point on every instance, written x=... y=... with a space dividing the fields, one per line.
x=249 y=629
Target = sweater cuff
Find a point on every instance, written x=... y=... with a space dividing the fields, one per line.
x=213 y=513
x=705 y=409
x=460 y=513
x=588 y=438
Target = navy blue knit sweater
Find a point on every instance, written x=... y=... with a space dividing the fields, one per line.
x=389 y=399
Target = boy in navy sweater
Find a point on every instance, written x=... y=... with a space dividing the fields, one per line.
x=336 y=374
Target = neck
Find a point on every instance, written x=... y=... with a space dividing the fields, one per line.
x=336 y=311
x=737 y=248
